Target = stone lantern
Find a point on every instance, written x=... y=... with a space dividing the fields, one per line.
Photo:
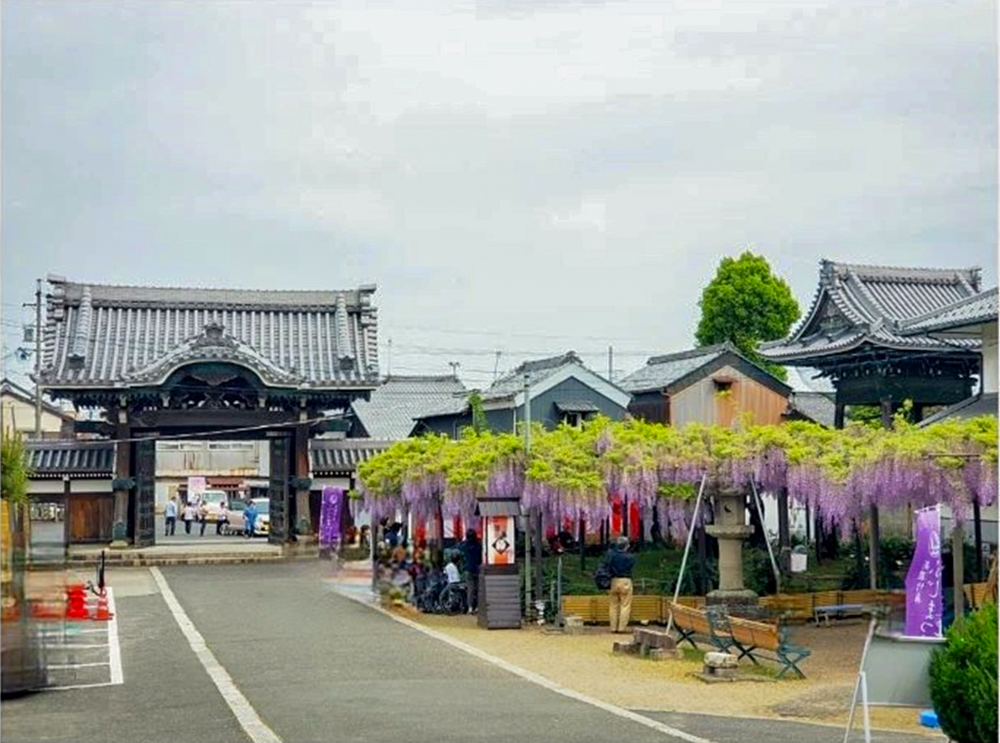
x=730 y=528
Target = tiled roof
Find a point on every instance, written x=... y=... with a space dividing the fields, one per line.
x=974 y=310
x=393 y=406
x=52 y=459
x=971 y=407
x=818 y=407
x=335 y=456
x=805 y=379
x=538 y=370
x=680 y=370
x=857 y=305
x=100 y=336
x=7 y=387
x=503 y=392
x=662 y=371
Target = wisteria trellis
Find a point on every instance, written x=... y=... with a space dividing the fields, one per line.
x=573 y=472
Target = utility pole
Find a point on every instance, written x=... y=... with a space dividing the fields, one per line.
x=528 y=525
x=454 y=368
x=611 y=363
x=38 y=360
x=496 y=366
x=389 y=371
x=38 y=356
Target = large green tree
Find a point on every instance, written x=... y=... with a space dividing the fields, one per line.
x=746 y=304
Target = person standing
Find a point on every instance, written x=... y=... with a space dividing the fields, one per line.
x=223 y=519
x=189 y=514
x=203 y=516
x=472 y=559
x=620 y=565
x=249 y=520
x=170 y=516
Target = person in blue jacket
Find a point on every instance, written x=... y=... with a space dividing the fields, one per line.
x=249 y=520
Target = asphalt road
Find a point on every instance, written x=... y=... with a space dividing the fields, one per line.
x=318 y=667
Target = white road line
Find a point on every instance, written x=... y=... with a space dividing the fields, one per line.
x=78 y=686
x=534 y=677
x=246 y=715
x=77 y=665
x=115 y=652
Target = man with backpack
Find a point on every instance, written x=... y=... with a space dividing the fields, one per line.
x=615 y=573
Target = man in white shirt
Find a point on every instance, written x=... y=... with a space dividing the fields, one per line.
x=451 y=571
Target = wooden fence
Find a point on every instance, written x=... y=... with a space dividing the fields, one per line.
x=790 y=607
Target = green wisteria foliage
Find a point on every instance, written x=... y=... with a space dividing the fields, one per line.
x=573 y=472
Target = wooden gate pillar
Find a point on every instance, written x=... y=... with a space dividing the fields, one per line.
x=300 y=463
x=123 y=476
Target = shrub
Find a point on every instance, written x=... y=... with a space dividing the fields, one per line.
x=964 y=679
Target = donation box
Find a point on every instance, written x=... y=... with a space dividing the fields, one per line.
x=499 y=587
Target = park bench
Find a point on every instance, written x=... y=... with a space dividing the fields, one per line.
x=691 y=623
x=748 y=638
x=751 y=637
x=823 y=613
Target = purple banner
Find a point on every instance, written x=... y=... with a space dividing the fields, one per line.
x=329 y=516
x=923 y=582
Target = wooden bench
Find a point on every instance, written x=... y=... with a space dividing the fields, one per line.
x=751 y=637
x=745 y=636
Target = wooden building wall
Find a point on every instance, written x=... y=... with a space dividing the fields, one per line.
x=702 y=403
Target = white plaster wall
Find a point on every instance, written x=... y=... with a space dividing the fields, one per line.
x=990 y=363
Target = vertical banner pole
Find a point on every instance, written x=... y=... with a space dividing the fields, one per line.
x=770 y=550
x=687 y=549
x=861 y=683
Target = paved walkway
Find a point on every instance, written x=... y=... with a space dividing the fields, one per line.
x=318 y=666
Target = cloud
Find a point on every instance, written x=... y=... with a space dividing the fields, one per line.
x=546 y=174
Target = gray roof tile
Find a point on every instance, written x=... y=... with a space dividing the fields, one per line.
x=398 y=401
x=818 y=407
x=52 y=459
x=974 y=310
x=971 y=407
x=856 y=305
x=113 y=336
x=662 y=371
x=342 y=456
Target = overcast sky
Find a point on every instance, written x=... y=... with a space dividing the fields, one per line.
x=524 y=176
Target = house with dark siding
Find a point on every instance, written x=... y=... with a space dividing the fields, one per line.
x=561 y=390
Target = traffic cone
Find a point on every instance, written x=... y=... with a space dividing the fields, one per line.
x=42 y=609
x=76 y=603
x=10 y=610
x=101 y=614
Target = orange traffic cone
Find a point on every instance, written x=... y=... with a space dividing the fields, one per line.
x=76 y=603
x=101 y=614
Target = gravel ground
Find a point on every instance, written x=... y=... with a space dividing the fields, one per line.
x=585 y=663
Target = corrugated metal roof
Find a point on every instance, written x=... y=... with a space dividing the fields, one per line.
x=109 y=336
x=857 y=305
x=331 y=456
x=662 y=371
x=398 y=401
x=52 y=459
x=974 y=310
